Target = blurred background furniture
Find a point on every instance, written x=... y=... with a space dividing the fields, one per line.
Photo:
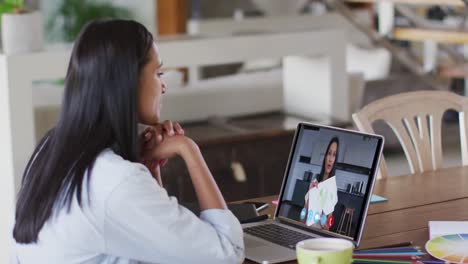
x=416 y=119
x=222 y=98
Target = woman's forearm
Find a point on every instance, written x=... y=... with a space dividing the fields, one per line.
x=208 y=193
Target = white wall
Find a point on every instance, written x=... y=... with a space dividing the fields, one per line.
x=7 y=184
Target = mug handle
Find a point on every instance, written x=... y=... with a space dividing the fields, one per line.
x=315 y=260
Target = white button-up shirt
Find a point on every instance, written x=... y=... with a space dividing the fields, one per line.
x=131 y=219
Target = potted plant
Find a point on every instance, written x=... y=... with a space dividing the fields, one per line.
x=21 y=30
x=70 y=16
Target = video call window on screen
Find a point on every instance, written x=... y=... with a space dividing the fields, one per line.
x=328 y=179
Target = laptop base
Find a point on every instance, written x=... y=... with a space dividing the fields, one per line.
x=260 y=250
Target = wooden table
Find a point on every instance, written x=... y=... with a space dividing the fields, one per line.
x=413 y=200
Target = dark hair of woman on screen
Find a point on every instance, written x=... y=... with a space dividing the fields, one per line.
x=328 y=169
x=92 y=190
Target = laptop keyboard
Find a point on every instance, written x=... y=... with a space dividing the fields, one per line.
x=277 y=234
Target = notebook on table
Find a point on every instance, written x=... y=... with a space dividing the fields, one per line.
x=442 y=228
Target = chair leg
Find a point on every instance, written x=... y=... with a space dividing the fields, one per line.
x=339 y=230
x=349 y=223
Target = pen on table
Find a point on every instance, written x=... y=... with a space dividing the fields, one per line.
x=384 y=261
x=396 y=251
x=389 y=250
x=396 y=257
x=403 y=244
x=392 y=254
x=380 y=261
x=431 y=262
x=256 y=219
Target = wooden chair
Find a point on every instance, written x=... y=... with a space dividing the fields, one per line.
x=416 y=119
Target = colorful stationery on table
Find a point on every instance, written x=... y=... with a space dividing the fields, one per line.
x=442 y=228
x=449 y=241
x=449 y=248
x=403 y=254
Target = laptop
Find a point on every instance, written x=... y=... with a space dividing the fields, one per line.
x=325 y=192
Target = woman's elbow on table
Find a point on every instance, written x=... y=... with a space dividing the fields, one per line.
x=229 y=247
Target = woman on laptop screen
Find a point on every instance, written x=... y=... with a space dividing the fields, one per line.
x=320 y=202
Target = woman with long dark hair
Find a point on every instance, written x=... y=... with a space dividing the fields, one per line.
x=86 y=196
x=327 y=172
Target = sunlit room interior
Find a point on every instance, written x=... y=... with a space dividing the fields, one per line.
x=239 y=76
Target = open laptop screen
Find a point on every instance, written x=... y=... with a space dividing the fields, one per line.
x=329 y=178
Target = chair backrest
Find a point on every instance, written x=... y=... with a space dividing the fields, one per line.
x=416 y=120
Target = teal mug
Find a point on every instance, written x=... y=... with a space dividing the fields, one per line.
x=325 y=251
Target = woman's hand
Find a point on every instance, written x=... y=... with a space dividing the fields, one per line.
x=151 y=138
x=314 y=184
x=178 y=145
x=208 y=194
x=154 y=135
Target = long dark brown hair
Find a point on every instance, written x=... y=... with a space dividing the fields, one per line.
x=99 y=111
